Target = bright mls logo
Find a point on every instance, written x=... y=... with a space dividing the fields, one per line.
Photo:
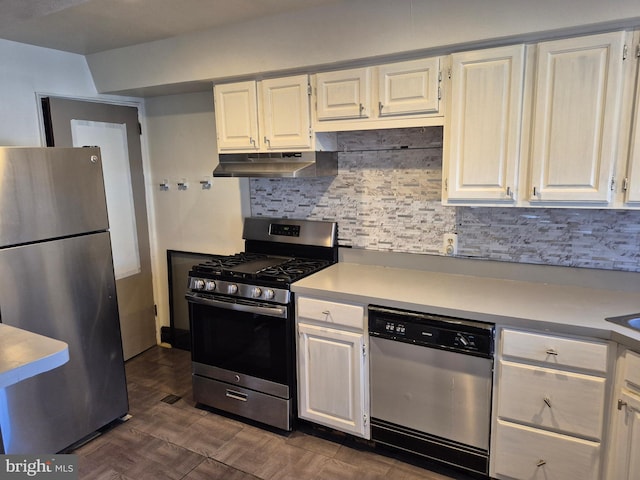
x=51 y=467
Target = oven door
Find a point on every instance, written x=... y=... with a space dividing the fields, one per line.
x=243 y=343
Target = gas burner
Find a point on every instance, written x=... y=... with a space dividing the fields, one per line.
x=259 y=266
x=294 y=269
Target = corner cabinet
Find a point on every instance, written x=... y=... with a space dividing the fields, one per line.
x=576 y=118
x=483 y=128
x=272 y=114
x=550 y=407
x=625 y=443
x=333 y=369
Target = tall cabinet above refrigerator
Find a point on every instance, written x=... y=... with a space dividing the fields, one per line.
x=56 y=279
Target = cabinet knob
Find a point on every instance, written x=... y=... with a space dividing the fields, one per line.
x=541 y=463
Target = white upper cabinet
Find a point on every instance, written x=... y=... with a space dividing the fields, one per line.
x=395 y=95
x=484 y=123
x=575 y=121
x=343 y=94
x=236 y=108
x=286 y=117
x=631 y=182
x=631 y=179
x=409 y=87
x=272 y=114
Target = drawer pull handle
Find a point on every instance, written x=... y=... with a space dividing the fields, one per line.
x=552 y=351
x=621 y=403
x=541 y=463
x=237 y=395
x=547 y=400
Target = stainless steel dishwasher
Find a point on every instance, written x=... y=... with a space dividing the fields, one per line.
x=431 y=380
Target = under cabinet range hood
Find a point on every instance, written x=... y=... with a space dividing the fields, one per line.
x=275 y=165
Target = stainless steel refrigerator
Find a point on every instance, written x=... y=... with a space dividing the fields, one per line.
x=56 y=279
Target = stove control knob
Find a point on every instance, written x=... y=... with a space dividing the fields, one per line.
x=210 y=285
x=198 y=284
x=256 y=292
x=462 y=340
x=269 y=294
x=232 y=288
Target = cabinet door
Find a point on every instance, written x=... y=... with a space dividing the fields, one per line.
x=627 y=439
x=236 y=116
x=632 y=180
x=343 y=94
x=576 y=116
x=286 y=120
x=332 y=378
x=483 y=149
x=409 y=87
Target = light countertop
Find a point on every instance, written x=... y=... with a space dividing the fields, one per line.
x=24 y=354
x=559 y=308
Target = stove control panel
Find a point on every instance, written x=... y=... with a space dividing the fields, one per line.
x=240 y=290
x=284 y=230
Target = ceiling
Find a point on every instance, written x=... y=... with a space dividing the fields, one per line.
x=91 y=26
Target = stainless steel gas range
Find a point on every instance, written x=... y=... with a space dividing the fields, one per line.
x=241 y=311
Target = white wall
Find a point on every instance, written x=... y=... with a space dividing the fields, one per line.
x=182 y=145
x=343 y=32
x=26 y=70
x=178 y=140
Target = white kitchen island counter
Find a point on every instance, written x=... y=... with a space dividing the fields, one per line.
x=25 y=354
x=558 y=308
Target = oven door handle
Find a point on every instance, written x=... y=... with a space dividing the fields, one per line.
x=271 y=311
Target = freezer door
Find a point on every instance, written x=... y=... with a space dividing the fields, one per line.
x=63 y=289
x=50 y=193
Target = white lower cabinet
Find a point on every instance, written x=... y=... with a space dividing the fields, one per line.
x=333 y=369
x=531 y=453
x=550 y=407
x=624 y=454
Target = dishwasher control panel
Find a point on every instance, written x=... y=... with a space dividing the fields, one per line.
x=436 y=331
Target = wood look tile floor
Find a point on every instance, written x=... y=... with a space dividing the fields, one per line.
x=180 y=441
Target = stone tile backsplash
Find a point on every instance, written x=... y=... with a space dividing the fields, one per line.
x=386 y=197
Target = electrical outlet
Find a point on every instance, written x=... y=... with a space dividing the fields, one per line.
x=450 y=244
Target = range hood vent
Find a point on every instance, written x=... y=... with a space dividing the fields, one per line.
x=275 y=165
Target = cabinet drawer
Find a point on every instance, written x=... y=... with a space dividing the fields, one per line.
x=568 y=402
x=555 y=351
x=523 y=452
x=331 y=312
x=632 y=369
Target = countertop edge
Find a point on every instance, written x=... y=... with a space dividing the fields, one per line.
x=25 y=354
x=338 y=283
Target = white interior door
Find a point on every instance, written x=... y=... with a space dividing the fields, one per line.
x=115 y=129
